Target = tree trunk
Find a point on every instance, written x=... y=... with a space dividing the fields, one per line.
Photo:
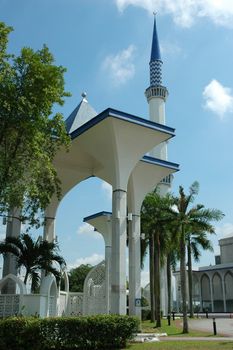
x=183 y=280
x=169 y=284
x=152 y=294
x=157 y=280
x=26 y=277
x=190 y=280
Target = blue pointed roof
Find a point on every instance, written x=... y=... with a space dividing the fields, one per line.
x=80 y=115
x=155 y=50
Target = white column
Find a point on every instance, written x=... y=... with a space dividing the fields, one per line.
x=9 y=262
x=49 y=229
x=134 y=266
x=118 y=274
x=157 y=115
x=108 y=253
x=224 y=294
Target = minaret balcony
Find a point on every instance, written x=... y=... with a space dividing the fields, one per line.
x=167 y=180
x=156 y=91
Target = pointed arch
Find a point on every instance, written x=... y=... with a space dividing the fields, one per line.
x=205 y=292
x=65 y=277
x=228 y=280
x=49 y=289
x=15 y=279
x=217 y=292
x=94 y=291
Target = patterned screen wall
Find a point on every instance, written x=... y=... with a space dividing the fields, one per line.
x=94 y=300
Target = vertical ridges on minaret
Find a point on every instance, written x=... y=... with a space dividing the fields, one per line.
x=155 y=60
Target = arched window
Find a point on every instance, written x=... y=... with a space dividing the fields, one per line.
x=205 y=293
x=217 y=293
x=229 y=291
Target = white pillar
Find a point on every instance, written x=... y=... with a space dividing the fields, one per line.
x=118 y=273
x=135 y=266
x=108 y=254
x=49 y=229
x=9 y=262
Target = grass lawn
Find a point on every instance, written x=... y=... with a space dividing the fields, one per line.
x=174 y=330
x=179 y=345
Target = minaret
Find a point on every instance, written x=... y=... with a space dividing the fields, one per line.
x=156 y=93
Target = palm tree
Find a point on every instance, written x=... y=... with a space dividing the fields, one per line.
x=195 y=241
x=155 y=215
x=196 y=219
x=172 y=257
x=34 y=256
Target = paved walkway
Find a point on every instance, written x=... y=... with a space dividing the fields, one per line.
x=225 y=339
x=224 y=326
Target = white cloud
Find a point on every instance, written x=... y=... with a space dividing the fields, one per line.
x=107 y=188
x=225 y=230
x=120 y=67
x=218 y=98
x=93 y=260
x=186 y=12
x=169 y=48
x=88 y=230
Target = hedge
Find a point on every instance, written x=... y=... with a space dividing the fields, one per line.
x=67 y=333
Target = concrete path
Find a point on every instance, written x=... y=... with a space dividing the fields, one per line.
x=225 y=339
x=224 y=326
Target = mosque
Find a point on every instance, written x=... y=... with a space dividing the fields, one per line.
x=212 y=285
x=105 y=145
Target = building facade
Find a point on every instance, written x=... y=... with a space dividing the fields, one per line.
x=212 y=285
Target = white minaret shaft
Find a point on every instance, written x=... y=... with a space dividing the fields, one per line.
x=156 y=93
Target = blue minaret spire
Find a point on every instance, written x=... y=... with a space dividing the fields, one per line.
x=156 y=88
x=155 y=59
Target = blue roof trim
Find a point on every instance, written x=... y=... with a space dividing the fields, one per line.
x=109 y=112
x=155 y=50
x=164 y=163
x=101 y=213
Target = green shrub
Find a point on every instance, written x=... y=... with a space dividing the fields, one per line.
x=19 y=333
x=67 y=333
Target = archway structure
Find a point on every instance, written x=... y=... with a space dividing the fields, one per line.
x=107 y=147
x=102 y=222
x=11 y=304
x=145 y=176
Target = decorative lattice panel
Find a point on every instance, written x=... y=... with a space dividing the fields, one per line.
x=76 y=304
x=95 y=291
x=9 y=304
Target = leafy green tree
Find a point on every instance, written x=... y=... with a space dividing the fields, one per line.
x=77 y=277
x=30 y=135
x=196 y=219
x=34 y=256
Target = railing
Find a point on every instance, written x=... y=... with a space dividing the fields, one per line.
x=167 y=180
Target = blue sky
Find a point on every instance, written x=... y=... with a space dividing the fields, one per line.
x=105 y=46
